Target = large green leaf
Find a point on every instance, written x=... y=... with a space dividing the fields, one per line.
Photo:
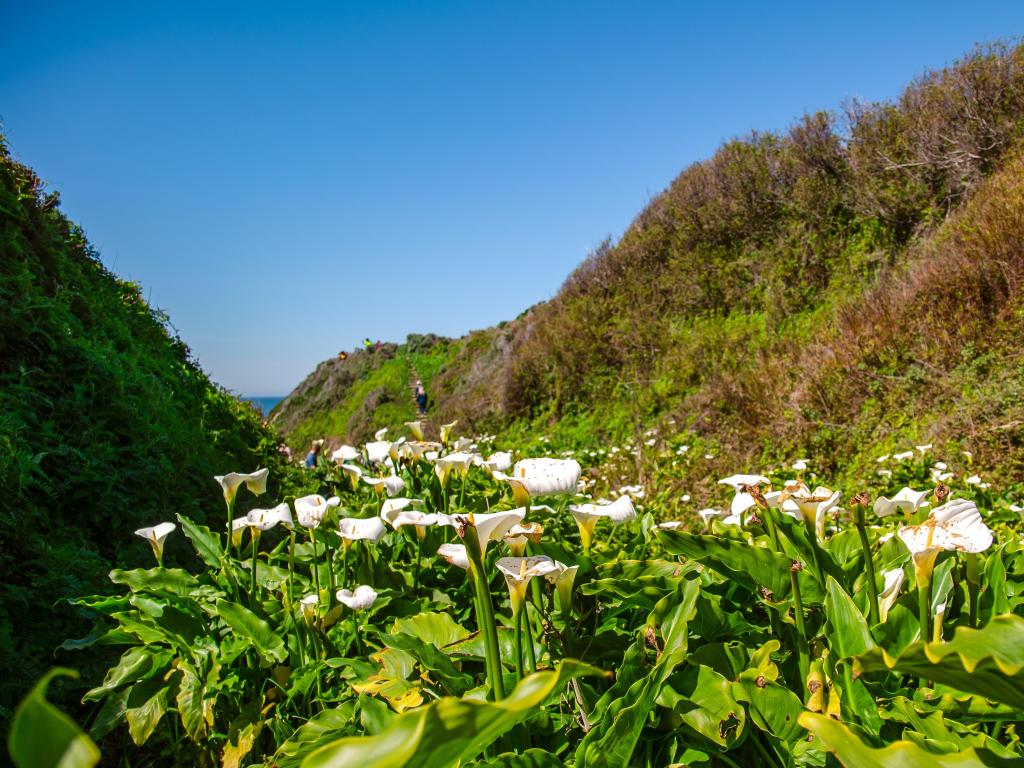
x=624 y=708
x=172 y=581
x=849 y=635
x=42 y=736
x=246 y=625
x=135 y=664
x=431 y=627
x=448 y=730
x=985 y=661
x=206 y=543
x=702 y=700
x=753 y=567
x=531 y=758
x=847 y=746
x=146 y=706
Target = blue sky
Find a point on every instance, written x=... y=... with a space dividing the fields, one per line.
x=285 y=179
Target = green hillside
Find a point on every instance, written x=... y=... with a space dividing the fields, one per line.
x=845 y=289
x=106 y=425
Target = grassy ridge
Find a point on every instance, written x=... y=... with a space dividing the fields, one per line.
x=106 y=425
x=846 y=287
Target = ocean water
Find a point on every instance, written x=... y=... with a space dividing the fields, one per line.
x=265 y=404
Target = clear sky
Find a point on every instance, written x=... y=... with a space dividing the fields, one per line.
x=287 y=178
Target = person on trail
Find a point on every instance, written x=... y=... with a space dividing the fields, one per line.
x=314 y=453
x=378 y=346
x=421 y=397
x=367 y=344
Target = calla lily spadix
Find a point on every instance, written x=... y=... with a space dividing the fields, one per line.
x=956 y=526
x=906 y=501
x=521 y=533
x=458 y=461
x=519 y=570
x=455 y=554
x=310 y=510
x=256 y=482
x=563 y=576
x=586 y=515
x=361 y=599
x=391 y=485
x=542 y=477
x=346 y=453
x=890 y=591
x=378 y=452
x=416 y=427
x=446 y=431
x=156 y=535
x=361 y=529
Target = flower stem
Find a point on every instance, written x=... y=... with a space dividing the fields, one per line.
x=531 y=655
x=252 y=576
x=316 y=565
x=973 y=585
x=802 y=650
x=869 y=567
x=519 y=643
x=486 y=617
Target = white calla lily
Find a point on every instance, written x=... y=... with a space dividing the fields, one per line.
x=812 y=506
x=346 y=453
x=156 y=535
x=906 y=501
x=265 y=519
x=310 y=510
x=520 y=534
x=361 y=529
x=459 y=461
x=395 y=512
x=419 y=450
x=455 y=554
x=904 y=456
x=446 y=432
x=500 y=461
x=256 y=482
x=391 y=485
x=378 y=451
x=492 y=526
x=890 y=591
x=308 y=606
x=736 y=482
x=563 y=577
x=238 y=528
x=416 y=427
x=379 y=434
x=519 y=570
x=956 y=526
x=542 y=477
x=361 y=599
x=586 y=515
x=353 y=473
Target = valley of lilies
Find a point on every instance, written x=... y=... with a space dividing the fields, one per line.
x=443 y=604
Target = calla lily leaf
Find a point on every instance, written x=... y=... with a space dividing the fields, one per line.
x=448 y=731
x=247 y=625
x=851 y=751
x=206 y=543
x=987 y=661
x=42 y=736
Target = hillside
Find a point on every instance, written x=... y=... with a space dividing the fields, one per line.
x=843 y=289
x=106 y=425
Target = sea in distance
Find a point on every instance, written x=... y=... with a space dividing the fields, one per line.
x=265 y=404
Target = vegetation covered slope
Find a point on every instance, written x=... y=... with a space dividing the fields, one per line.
x=845 y=287
x=106 y=425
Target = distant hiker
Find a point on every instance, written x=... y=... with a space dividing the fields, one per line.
x=285 y=451
x=378 y=346
x=421 y=397
x=343 y=355
x=314 y=454
x=367 y=344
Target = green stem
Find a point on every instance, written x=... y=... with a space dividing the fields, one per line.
x=869 y=566
x=769 y=521
x=486 y=619
x=416 y=566
x=531 y=654
x=519 y=643
x=355 y=633
x=252 y=576
x=973 y=585
x=924 y=609
x=316 y=564
x=803 y=651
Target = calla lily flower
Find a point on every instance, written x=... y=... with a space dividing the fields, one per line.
x=890 y=592
x=419 y=450
x=379 y=434
x=396 y=450
x=353 y=473
x=308 y=606
x=446 y=431
x=671 y=525
x=156 y=535
x=310 y=510
x=956 y=526
x=238 y=528
x=361 y=599
x=416 y=427
x=907 y=501
x=492 y=526
x=455 y=554
x=812 y=506
x=378 y=451
x=563 y=576
x=391 y=485
x=231 y=482
x=265 y=519
x=709 y=514
x=799 y=465
x=395 y=514
x=459 y=461
x=463 y=444
x=586 y=515
x=736 y=482
x=346 y=453
x=542 y=477
x=361 y=529
x=519 y=570
x=521 y=533
x=924 y=448
x=904 y=456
